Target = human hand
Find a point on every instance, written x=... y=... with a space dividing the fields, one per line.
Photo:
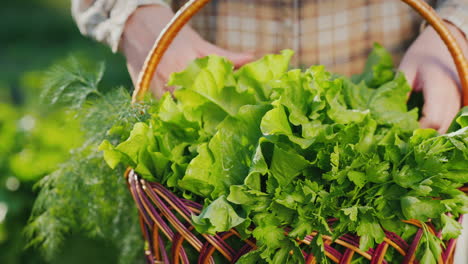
x=140 y=33
x=430 y=69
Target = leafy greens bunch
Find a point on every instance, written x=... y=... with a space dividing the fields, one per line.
x=269 y=149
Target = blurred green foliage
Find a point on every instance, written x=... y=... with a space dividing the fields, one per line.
x=34 y=138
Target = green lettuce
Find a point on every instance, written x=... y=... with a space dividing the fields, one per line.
x=266 y=148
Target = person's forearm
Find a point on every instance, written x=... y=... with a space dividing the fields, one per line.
x=88 y=3
x=455 y=12
x=456 y=31
x=136 y=28
x=140 y=33
x=104 y=20
x=462 y=42
x=459 y=35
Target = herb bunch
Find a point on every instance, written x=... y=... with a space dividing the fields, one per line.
x=83 y=194
x=267 y=148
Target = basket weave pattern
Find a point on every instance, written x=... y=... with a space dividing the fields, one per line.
x=166 y=220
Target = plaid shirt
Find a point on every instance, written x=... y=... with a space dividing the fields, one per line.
x=336 y=33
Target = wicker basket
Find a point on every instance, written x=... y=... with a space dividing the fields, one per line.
x=166 y=218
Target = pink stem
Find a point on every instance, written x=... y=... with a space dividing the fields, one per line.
x=414 y=245
x=451 y=244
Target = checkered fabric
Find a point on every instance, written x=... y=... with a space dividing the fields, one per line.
x=336 y=33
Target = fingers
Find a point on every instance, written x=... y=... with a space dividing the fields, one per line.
x=442 y=99
x=158 y=86
x=237 y=58
x=177 y=57
x=410 y=70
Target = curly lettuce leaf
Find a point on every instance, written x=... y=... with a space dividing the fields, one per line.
x=267 y=149
x=218 y=216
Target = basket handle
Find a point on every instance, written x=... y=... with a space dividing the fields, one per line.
x=193 y=6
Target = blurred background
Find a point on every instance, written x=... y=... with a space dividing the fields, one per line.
x=34 y=35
